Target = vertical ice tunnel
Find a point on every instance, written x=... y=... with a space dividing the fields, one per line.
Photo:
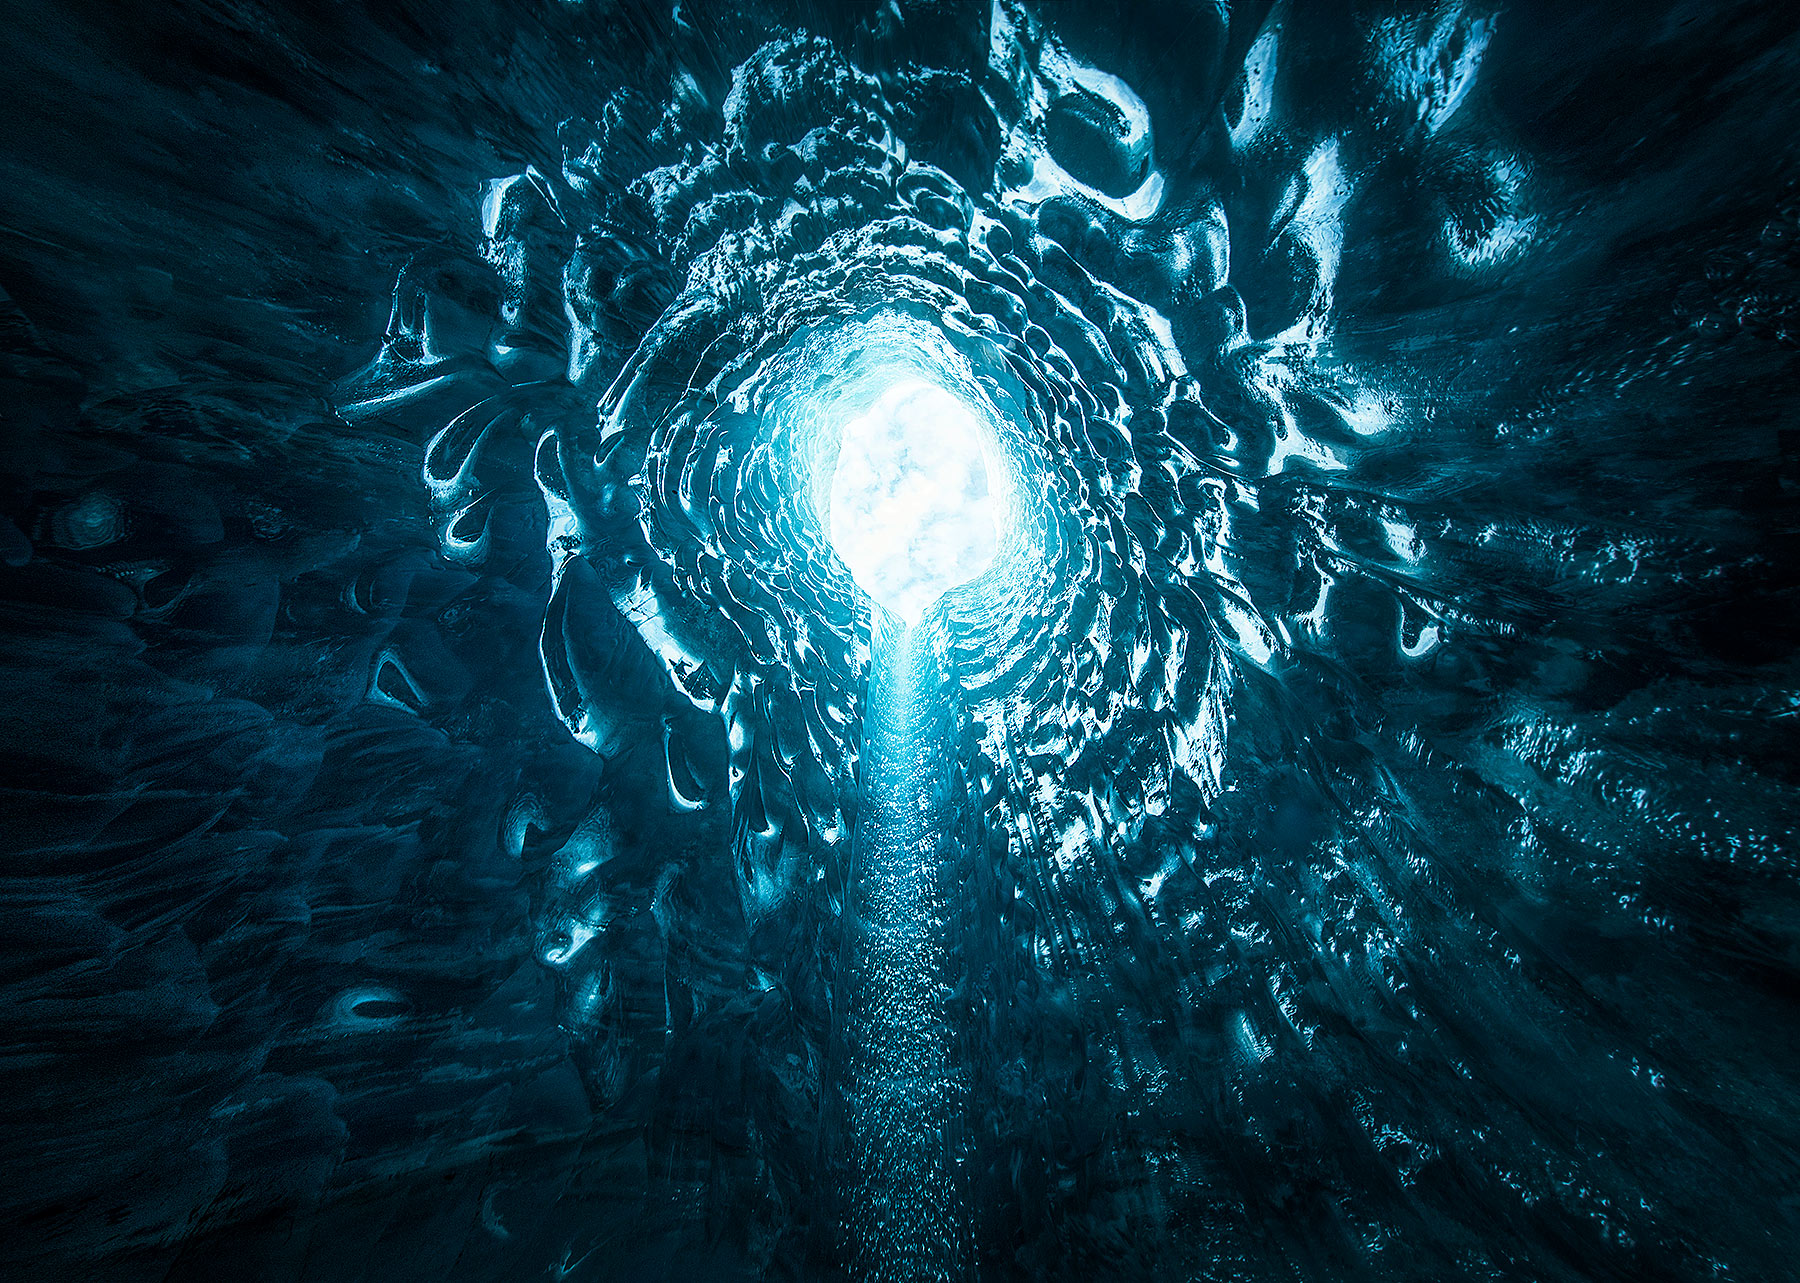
x=916 y=496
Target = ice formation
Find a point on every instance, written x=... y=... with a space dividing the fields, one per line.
x=951 y=641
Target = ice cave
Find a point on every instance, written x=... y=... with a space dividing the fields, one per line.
x=900 y=641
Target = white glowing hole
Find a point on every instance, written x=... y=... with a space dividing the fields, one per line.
x=912 y=511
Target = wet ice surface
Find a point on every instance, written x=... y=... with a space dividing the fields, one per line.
x=464 y=821
x=903 y=1098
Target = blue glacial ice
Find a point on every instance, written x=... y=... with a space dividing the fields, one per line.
x=901 y=640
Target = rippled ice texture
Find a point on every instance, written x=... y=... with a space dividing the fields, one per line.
x=466 y=820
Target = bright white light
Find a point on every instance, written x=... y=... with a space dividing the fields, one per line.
x=912 y=511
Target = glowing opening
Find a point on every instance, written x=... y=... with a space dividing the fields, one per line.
x=913 y=513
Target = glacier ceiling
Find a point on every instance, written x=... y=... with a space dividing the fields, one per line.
x=466 y=819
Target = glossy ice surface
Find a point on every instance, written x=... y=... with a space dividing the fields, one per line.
x=1330 y=817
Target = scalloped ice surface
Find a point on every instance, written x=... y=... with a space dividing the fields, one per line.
x=1328 y=816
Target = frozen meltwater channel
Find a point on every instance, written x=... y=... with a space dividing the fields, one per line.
x=902 y=1096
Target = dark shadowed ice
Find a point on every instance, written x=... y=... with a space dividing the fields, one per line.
x=462 y=820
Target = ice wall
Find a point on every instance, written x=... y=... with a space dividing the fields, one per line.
x=471 y=824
